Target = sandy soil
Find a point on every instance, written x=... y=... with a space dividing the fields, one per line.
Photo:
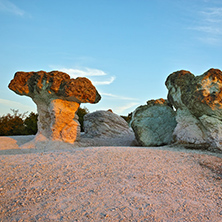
x=59 y=182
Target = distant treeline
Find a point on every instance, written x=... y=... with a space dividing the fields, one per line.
x=26 y=124
x=18 y=124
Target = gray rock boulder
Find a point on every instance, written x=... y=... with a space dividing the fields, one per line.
x=154 y=123
x=105 y=124
x=198 y=103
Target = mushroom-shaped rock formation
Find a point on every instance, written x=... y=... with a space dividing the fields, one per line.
x=154 y=123
x=57 y=97
x=198 y=101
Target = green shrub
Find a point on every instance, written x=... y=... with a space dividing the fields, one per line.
x=18 y=124
x=81 y=113
x=31 y=124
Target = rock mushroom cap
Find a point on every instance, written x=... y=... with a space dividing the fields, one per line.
x=200 y=94
x=54 y=85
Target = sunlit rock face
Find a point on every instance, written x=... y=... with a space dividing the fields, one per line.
x=154 y=123
x=198 y=103
x=105 y=124
x=57 y=97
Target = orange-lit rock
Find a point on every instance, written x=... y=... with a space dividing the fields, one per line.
x=160 y=101
x=57 y=97
x=198 y=101
x=54 y=84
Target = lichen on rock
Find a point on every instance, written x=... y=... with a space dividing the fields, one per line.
x=198 y=101
x=58 y=98
x=154 y=123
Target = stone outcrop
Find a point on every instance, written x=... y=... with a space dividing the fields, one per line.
x=105 y=124
x=57 y=97
x=198 y=103
x=154 y=123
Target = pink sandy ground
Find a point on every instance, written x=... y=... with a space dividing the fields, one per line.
x=59 y=182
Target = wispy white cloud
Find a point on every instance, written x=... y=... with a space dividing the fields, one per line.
x=8 y=6
x=104 y=82
x=83 y=72
x=126 y=107
x=209 y=29
x=122 y=105
x=209 y=25
x=211 y=13
x=97 y=76
x=117 y=96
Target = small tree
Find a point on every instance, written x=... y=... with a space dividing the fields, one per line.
x=5 y=125
x=81 y=113
x=31 y=124
x=12 y=124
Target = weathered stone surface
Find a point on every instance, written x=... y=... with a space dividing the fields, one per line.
x=65 y=123
x=54 y=84
x=189 y=129
x=160 y=101
x=198 y=101
x=105 y=124
x=57 y=98
x=154 y=123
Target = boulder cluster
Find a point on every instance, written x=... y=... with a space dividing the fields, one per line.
x=191 y=115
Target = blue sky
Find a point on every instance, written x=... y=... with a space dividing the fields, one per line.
x=127 y=48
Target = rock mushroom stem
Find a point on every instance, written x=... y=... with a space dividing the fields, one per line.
x=58 y=120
